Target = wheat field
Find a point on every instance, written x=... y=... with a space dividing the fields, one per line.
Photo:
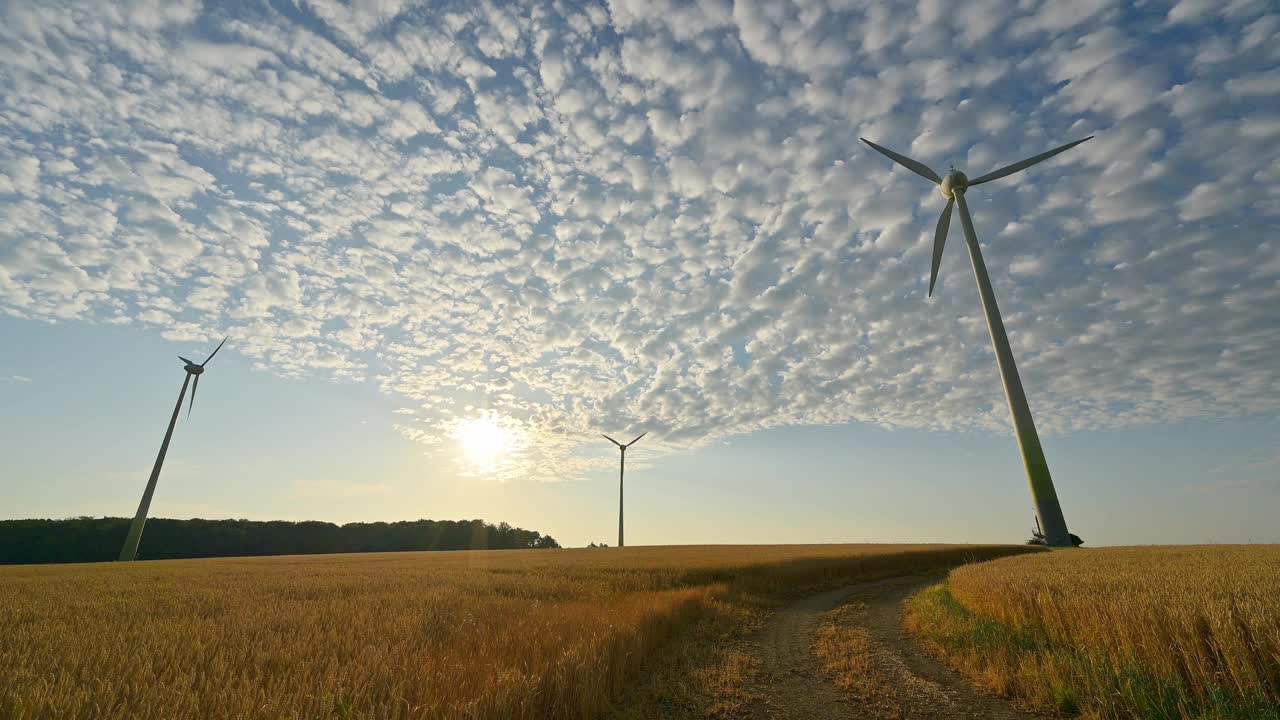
x=478 y=634
x=1158 y=632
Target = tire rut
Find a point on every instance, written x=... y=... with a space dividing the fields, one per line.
x=793 y=686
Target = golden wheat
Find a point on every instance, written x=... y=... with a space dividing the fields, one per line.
x=1119 y=632
x=485 y=634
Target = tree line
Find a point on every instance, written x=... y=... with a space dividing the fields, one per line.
x=88 y=539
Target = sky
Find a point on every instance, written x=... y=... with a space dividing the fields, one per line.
x=452 y=243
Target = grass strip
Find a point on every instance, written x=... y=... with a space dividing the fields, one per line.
x=1071 y=678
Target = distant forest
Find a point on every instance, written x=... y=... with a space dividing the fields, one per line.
x=87 y=539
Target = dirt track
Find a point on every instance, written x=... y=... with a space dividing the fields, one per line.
x=794 y=687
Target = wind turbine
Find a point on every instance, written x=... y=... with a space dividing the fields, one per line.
x=131 y=541
x=953 y=187
x=622 y=466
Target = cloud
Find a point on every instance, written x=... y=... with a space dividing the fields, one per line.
x=657 y=215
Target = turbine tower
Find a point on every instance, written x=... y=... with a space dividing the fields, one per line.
x=953 y=187
x=131 y=541
x=622 y=467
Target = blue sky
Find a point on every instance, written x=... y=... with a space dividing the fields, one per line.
x=453 y=242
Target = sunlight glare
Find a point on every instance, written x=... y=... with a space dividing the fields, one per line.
x=488 y=441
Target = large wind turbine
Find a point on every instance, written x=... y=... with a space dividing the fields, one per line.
x=131 y=541
x=953 y=188
x=622 y=467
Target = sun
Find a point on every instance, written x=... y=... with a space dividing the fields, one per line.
x=487 y=440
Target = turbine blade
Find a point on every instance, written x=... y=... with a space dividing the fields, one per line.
x=966 y=220
x=215 y=352
x=1024 y=164
x=939 y=240
x=194 y=387
x=615 y=442
x=633 y=442
x=185 y=360
x=914 y=166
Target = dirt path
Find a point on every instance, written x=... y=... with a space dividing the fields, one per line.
x=794 y=687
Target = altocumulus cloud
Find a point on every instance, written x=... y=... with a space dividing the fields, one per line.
x=657 y=215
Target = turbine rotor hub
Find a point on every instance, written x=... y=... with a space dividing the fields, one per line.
x=954 y=182
x=194 y=369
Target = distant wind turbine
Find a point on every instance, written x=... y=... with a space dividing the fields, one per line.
x=131 y=541
x=622 y=467
x=953 y=188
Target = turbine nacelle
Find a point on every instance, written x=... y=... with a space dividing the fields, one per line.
x=196 y=369
x=954 y=182
x=953 y=186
